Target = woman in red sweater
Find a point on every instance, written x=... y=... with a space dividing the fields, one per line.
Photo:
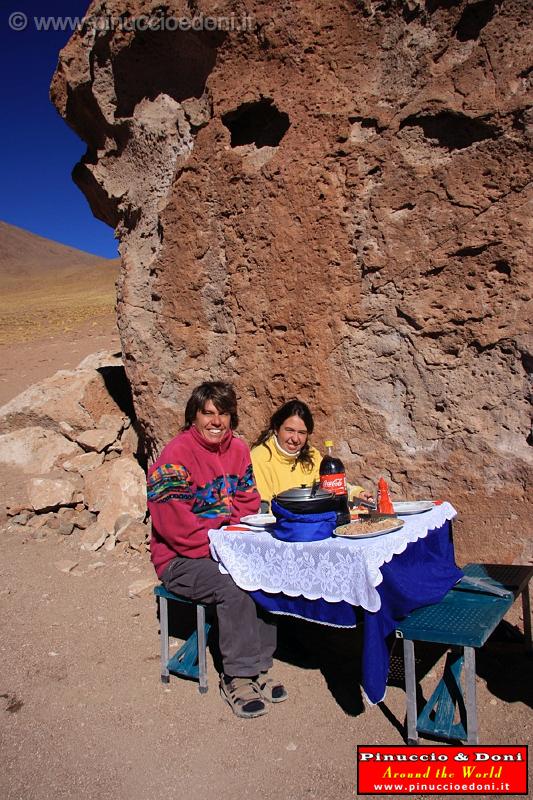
x=203 y=479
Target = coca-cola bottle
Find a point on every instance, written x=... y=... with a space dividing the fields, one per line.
x=333 y=479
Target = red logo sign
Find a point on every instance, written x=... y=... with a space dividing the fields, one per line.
x=334 y=483
x=472 y=769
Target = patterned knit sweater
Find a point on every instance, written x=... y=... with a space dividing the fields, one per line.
x=196 y=485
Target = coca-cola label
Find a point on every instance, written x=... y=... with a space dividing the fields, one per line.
x=334 y=483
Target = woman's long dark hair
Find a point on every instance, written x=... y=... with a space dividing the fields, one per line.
x=221 y=394
x=292 y=408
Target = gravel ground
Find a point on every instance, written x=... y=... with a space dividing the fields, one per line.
x=83 y=713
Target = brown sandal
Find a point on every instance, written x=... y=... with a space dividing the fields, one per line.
x=271 y=690
x=243 y=697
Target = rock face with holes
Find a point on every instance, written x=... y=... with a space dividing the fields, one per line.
x=327 y=199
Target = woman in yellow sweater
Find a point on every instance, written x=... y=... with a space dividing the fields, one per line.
x=282 y=456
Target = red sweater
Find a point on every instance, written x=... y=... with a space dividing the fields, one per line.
x=194 y=486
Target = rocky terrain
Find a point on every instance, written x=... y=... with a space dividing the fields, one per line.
x=329 y=202
x=70 y=452
x=82 y=710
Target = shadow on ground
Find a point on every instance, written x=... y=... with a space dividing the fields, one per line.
x=337 y=654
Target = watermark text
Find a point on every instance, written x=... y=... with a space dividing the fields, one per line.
x=92 y=24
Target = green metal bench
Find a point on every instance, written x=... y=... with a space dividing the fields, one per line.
x=463 y=620
x=190 y=661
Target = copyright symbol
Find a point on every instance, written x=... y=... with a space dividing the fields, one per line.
x=18 y=21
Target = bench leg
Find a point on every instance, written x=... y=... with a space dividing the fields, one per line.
x=163 y=637
x=526 y=608
x=202 y=646
x=470 y=695
x=410 y=690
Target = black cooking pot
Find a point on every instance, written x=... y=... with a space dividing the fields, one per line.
x=307 y=500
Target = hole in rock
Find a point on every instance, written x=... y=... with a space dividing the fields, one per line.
x=502 y=266
x=119 y=388
x=176 y=63
x=257 y=123
x=527 y=363
x=434 y=5
x=366 y=122
x=473 y=20
x=452 y=129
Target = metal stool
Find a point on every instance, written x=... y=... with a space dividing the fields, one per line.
x=190 y=660
x=465 y=618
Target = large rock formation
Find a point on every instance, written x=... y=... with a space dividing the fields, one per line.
x=58 y=474
x=327 y=201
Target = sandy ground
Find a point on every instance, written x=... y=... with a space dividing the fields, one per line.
x=83 y=713
x=24 y=363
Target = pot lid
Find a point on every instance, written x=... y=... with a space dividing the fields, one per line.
x=304 y=494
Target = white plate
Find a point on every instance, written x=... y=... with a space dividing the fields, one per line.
x=406 y=508
x=258 y=520
x=370 y=535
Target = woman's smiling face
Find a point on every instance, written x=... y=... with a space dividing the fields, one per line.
x=292 y=434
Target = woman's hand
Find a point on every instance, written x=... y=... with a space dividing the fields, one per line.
x=355 y=492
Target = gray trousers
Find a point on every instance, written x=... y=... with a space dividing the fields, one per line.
x=246 y=640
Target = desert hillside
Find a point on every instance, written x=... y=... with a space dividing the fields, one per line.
x=47 y=288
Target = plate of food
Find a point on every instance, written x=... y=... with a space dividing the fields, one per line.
x=366 y=530
x=258 y=520
x=407 y=507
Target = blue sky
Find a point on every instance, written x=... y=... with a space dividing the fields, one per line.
x=37 y=148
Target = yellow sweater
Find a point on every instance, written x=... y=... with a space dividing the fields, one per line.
x=274 y=474
x=273 y=470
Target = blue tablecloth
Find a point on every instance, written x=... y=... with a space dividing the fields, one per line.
x=419 y=576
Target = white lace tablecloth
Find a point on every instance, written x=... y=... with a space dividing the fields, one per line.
x=334 y=569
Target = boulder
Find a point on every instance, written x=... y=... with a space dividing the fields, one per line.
x=110 y=542
x=96 y=439
x=67 y=430
x=65 y=528
x=35 y=449
x=83 y=519
x=42 y=520
x=47 y=493
x=130 y=441
x=21 y=519
x=93 y=538
x=135 y=534
x=121 y=523
x=117 y=487
x=103 y=358
x=75 y=397
x=83 y=463
x=113 y=422
x=332 y=206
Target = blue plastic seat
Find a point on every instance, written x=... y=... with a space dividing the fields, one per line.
x=465 y=618
x=190 y=661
